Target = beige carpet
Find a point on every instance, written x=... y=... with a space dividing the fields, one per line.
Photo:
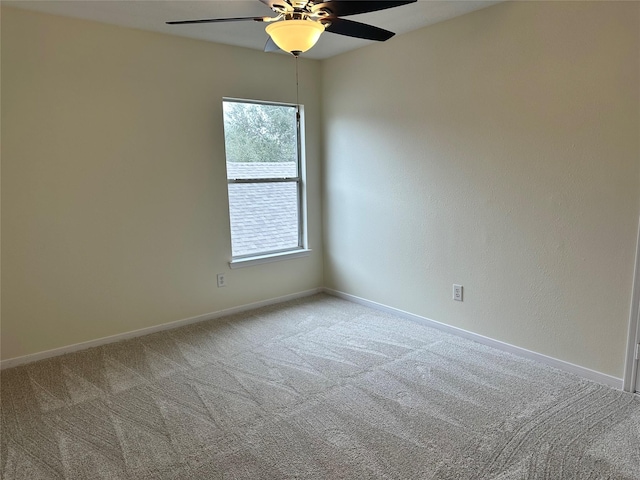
x=318 y=388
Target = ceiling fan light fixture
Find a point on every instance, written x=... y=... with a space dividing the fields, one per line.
x=295 y=36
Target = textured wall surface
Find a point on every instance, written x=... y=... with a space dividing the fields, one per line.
x=114 y=195
x=498 y=150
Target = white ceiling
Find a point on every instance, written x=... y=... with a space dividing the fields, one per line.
x=152 y=15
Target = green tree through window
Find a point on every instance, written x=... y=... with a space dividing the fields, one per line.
x=257 y=132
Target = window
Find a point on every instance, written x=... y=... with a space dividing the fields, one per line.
x=264 y=180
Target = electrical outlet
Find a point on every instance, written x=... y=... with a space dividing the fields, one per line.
x=222 y=280
x=457 y=292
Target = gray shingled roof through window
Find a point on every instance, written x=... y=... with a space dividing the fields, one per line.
x=264 y=216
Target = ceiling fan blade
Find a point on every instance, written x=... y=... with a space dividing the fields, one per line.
x=218 y=20
x=358 y=30
x=343 y=8
x=271 y=3
x=271 y=46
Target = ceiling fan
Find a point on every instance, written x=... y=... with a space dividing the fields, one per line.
x=298 y=24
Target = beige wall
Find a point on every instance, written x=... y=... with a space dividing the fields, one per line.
x=498 y=150
x=114 y=204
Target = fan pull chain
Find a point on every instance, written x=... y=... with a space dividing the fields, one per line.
x=297 y=92
x=298 y=134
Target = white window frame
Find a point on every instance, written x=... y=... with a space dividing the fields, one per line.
x=302 y=249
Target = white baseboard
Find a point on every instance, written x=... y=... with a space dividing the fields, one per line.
x=522 y=352
x=16 y=361
x=554 y=362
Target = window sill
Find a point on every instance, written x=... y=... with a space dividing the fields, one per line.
x=273 y=257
